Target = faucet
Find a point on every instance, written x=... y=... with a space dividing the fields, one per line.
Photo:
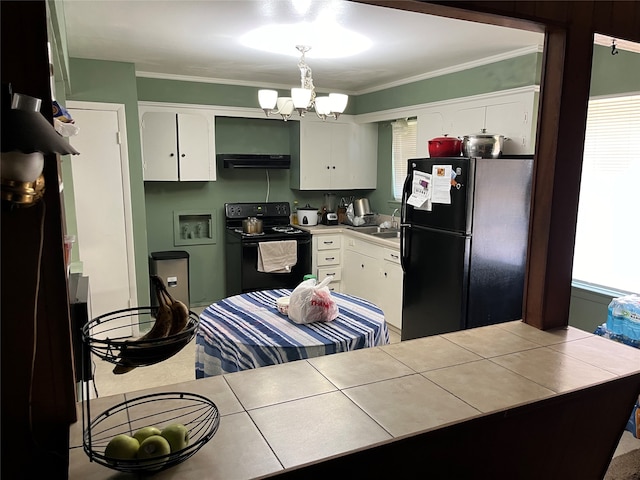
x=394 y=224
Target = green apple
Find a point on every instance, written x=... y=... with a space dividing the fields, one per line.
x=151 y=448
x=145 y=432
x=121 y=447
x=177 y=435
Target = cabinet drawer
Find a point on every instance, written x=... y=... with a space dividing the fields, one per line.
x=327 y=271
x=392 y=255
x=328 y=242
x=335 y=287
x=329 y=257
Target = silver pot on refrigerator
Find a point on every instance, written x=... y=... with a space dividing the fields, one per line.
x=484 y=145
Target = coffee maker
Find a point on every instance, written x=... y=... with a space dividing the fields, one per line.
x=329 y=214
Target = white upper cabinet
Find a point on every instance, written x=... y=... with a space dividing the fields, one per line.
x=508 y=115
x=364 y=165
x=177 y=146
x=509 y=119
x=335 y=155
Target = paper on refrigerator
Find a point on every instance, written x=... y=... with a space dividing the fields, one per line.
x=441 y=188
x=420 y=190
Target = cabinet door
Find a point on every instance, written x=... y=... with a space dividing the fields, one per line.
x=363 y=164
x=315 y=155
x=159 y=146
x=467 y=121
x=360 y=275
x=344 y=145
x=193 y=147
x=391 y=301
x=509 y=119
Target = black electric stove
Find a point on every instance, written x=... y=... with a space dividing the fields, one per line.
x=242 y=273
x=275 y=218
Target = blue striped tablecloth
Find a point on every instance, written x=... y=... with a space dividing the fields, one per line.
x=247 y=331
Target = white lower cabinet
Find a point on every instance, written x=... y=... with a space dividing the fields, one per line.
x=373 y=272
x=361 y=275
x=327 y=259
x=390 y=299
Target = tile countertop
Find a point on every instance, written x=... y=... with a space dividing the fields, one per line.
x=353 y=231
x=283 y=416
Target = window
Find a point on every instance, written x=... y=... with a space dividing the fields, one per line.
x=404 y=148
x=606 y=248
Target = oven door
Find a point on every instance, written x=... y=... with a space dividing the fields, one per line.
x=252 y=279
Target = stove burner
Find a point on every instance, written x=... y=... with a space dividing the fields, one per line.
x=285 y=229
x=239 y=230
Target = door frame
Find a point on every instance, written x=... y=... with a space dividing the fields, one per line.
x=119 y=108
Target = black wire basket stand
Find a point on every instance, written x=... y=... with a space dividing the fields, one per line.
x=196 y=412
x=134 y=353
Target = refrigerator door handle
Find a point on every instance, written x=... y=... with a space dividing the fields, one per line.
x=404 y=226
x=404 y=244
x=405 y=197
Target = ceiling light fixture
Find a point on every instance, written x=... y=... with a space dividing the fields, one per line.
x=304 y=98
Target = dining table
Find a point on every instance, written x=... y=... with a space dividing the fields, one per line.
x=247 y=331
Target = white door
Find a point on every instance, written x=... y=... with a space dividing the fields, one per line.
x=102 y=205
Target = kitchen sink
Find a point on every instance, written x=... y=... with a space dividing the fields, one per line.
x=378 y=231
x=369 y=229
x=387 y=234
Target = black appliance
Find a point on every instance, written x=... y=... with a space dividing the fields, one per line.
x=80 y=314
x=329 y=218
x=242 y=273
x=254 y=160
x=464 y=261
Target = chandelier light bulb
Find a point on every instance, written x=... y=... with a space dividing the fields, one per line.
x=267 y=99
x=285 y=107
x=338 y=102
x=301 y=98
x=323 y=106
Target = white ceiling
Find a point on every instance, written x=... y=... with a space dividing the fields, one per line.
x=200 y=38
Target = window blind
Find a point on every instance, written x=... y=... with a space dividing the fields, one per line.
x=404 y=148
x=608 y=226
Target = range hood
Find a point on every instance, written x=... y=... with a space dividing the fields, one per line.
x=253 y=160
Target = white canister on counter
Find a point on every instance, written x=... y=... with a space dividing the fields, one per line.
x=307 y=216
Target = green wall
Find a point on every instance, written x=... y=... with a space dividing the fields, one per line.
x=155 y=202
x=614 y=74
x=115 y=82
x=503 y=75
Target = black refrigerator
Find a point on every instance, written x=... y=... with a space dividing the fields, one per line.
x=463 y=240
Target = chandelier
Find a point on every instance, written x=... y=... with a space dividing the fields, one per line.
x=304 y=98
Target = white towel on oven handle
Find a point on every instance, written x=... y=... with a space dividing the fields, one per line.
x=277 y=256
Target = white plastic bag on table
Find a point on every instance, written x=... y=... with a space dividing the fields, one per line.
x=311 y=302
